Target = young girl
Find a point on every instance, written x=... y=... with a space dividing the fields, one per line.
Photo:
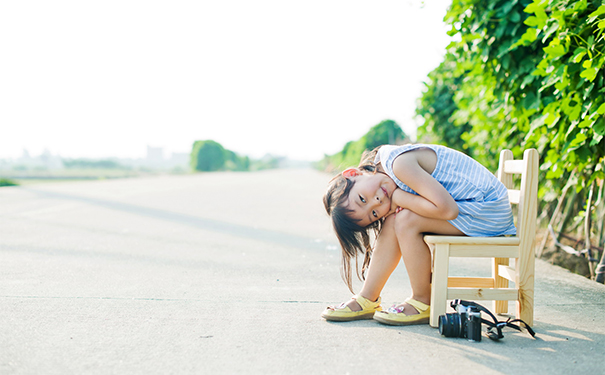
x=401 y=193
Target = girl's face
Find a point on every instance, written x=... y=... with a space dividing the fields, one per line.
x=370 y=197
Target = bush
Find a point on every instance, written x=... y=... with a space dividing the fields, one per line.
x=7 y=182
x=208 y=156
x=524 y=74
x=386 y=132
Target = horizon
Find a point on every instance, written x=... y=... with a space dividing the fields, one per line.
x=290 y=80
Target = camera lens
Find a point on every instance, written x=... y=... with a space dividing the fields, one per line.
x=450 y=325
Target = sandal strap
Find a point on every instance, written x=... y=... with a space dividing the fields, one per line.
x=365 y=303
x=419 y=306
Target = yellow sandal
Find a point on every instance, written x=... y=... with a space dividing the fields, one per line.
x=395 y=316
x=343 y=313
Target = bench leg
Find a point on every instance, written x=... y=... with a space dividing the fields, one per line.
x=441 y=260
x=500 y=307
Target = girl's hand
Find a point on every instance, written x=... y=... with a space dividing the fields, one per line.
x=397 y=200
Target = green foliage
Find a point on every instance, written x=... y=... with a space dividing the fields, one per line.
x=523 y=74
x=529 y=73
x=437 y=106
x=234 y=162
x=7 y=182
x=386 y=132
x=208 y=156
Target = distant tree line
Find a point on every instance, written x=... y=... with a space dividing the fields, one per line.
x=210 y=156
x=93 y=164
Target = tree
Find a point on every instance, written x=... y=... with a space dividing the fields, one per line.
x=437 y=107
x=386 y=132
x=207 y=156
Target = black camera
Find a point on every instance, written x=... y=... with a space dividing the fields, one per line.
x=465 y=322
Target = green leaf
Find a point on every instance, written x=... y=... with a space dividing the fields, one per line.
x=575 y=113
x=577 y=58
x=514 y=17
x=601 y=109
x=531 y=21
x=562 y=85
x=579 y=5
x=589 y=74
x=528 y=37
x=599 y=127
x=555 y=173
x=578 y=140
x=579 y=54
x=585 y=123
x=594 y=15
x=528 y=79
x=552 y=120
x=534 y=7
x=531 y=101
x=551 y=29
x=555 y=50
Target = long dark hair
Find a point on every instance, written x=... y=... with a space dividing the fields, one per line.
x=354 y=239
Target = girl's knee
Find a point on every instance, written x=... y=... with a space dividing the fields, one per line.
x=388 y=226
x=405 y=221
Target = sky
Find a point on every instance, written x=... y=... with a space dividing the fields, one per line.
x=99 y=79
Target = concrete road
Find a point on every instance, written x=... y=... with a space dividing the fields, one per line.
x=228 y=273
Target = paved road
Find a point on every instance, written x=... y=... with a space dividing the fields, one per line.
x=228 y=273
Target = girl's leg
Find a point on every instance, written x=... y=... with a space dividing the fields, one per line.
x=385 y=258
x=410 y=229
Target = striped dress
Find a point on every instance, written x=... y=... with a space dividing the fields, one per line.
x=484 y=209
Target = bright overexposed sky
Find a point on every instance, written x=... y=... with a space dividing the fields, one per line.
x=108 y=78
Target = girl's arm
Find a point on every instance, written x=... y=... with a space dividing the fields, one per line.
x=433 y=200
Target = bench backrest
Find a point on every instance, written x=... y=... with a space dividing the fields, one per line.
x=526 y=197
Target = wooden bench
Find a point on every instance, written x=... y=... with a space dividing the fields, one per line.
x=501 y=249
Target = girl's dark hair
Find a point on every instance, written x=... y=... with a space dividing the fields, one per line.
x=354 y=239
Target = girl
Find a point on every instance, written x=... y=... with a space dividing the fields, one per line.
x=400 y=193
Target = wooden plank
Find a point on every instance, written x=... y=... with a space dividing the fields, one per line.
x=514 y=196
x=485 y=251
x=505 y=178
x=435 y=239
x=476 y=282
x=503 y=294
x=507 y=272
x=514 y=166
x=441 y=263
x=527 y=230
x=500 y=307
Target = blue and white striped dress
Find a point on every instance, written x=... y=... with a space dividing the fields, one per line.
x=484 y=209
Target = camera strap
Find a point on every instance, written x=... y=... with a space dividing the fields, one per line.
x=494 y=331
